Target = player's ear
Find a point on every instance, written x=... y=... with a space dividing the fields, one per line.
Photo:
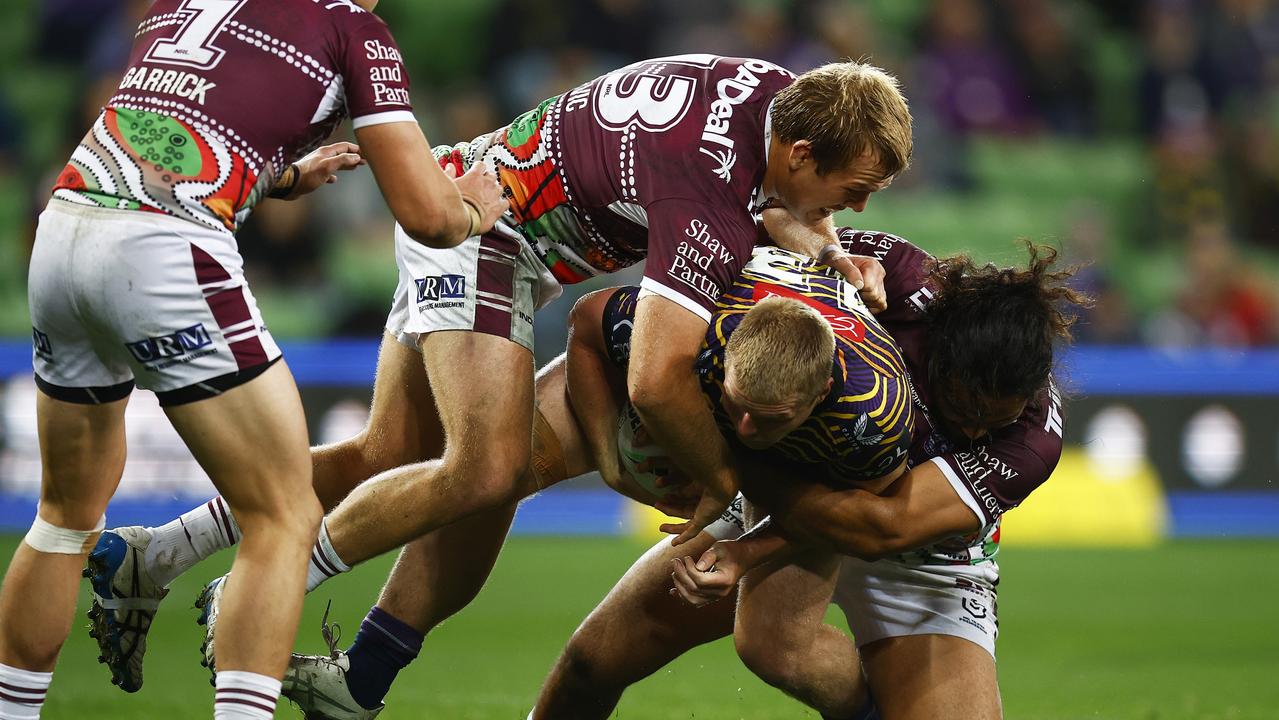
x=830 y=382
x=801 y=153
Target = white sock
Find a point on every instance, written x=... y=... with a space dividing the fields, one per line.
x=325 y=562
x=177 y=546
x=244 y=696
x=22 y=692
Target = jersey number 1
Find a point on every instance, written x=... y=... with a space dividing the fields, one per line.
x=193 y=45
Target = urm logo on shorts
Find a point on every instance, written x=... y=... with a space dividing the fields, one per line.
x=441 y=286
x=172 y=345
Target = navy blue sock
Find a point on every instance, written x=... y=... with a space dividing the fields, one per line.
x=383 y=647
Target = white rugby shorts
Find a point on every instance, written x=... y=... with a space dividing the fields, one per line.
x=125 y=296
x=491 y=283
x=887 y=598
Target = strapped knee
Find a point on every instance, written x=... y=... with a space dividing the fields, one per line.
x=549 y=465
x=48 y=538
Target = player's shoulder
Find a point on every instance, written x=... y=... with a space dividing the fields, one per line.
x=1041 y=427
x=359 y=30
x=705 y=116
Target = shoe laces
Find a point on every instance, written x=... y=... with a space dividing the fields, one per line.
x=331 y=632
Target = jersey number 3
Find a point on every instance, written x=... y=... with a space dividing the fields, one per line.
x=193 y=45
x=653 y=102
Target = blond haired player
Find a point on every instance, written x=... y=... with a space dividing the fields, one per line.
x=792 y=363
x=919 y=585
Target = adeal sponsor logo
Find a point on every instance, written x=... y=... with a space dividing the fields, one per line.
x=730 y=92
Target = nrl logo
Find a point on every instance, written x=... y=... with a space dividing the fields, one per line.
x=726 y=159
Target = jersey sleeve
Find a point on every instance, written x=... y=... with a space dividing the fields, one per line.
x=376 y=82
x=996 y=477
x=695 y=252
x=905 y=270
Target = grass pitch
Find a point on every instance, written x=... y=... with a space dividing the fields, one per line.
x=1189 y=631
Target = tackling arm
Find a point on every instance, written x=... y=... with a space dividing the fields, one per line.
x=664 y=389
x=431 y=207
x=822 y=242
x=917 y=510
x=593 y=383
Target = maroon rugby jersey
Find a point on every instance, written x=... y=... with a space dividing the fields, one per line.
x=220 y=95
x=990 y=478
x=660 y=159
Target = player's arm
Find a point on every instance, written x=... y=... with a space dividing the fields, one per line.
x=319 y=167
x=664 y=389
x=594 y=383
x=823 y=243
x=433 y=208
x=716 y=573
x=920 y=508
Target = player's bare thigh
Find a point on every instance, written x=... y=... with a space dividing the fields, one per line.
x=402 y=427
x=473 y=373
x=781 y=606
x=252 y=441
x=932 y=677
x=403 y=422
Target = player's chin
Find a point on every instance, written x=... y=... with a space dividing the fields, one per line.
x=755 y=442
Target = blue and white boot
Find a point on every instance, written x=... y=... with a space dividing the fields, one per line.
x=125 y=599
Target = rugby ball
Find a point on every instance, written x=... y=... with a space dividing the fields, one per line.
x=634 y=447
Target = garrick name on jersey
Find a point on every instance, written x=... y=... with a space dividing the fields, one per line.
x=221 y=95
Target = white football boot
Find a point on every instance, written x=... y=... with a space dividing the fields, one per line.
x=125 y=599
x=209 y=604
x=317 y=683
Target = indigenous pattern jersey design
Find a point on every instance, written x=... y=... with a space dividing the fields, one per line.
x=221 y=95
x=991 y=477
x=661 y=159
x=862 y=429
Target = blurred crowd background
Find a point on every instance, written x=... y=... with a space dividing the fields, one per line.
x=1140 y=137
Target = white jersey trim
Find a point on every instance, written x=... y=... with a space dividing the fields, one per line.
x=961 y=489
x=382 y=118
x=651 y=286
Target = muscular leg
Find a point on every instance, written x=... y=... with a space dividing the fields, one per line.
x=82 y=453
x=782 y=637
x=252 y=442
x=932 y=677
x=403 y=428
x=484 y=394
x=439 y=574
x=638 y=628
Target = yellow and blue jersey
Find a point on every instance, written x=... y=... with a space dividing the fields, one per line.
x=862 y=428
